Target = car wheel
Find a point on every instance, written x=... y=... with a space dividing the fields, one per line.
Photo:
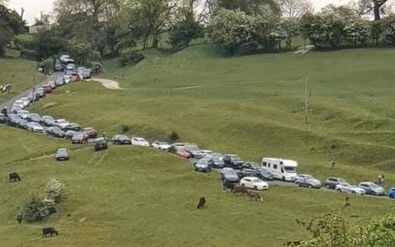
x=339 y=190
x=328 y=186
x=353 y=192
x=283 y=178
x=309 y=186
x=243 y=185
x=255 y=188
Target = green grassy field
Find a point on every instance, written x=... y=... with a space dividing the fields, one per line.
x=251 y=105
x=18 y=72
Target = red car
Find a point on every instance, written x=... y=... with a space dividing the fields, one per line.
x=48 y=89
x=90 y=132
x=81 y=138
x=182 y=153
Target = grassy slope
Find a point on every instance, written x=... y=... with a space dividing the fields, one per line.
x=248 y=105
x=19 y=73
x=133 y=197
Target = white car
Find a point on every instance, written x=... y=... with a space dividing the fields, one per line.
x=206 y=152
x=62 y=123
x=254 y=183
x=35 y=127
x=70 y=66
x=23 y=113
x=25 y=100
x=67 y=79
x=139 y=141
x=347 y=188
x=161 y=145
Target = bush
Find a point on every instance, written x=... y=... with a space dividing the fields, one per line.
x=29 y=54
x=174 y=136
x=183 y=32
x=47 y=65
x=97 y=67
x=38 y=209
x=131 y=57
x=54 y=191
x=125 y=128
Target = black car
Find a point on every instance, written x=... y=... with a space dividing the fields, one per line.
x=48 y=121
x=22 y=123
x=218 y=163
x=204 y=165
x=246 y=172
x=229 y=174
x=121 y=140
x=233 y=161
x=264 y=174
x=100 y=144
x=33 y=117
x=250 y=165
x=331 y=182
x=194 y=151
x=72 y=126
x=62 y=155
x=55 y=132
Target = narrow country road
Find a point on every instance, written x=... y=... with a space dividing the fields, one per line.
x=28 y=91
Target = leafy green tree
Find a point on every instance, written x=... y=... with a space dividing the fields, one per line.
x=151 y=18
x=252 y=7
x=388 y=29
x=186 y=29
x=332 y=230
x=10 y=25
x=234 y=31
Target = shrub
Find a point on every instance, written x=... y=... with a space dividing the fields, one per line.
x=36 y=209
x=174 y=136
x=125 y=128
x=54 y=190
x=97 y=67
x=131 y=57
x=47 y=65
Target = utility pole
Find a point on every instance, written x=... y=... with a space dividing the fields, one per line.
x=306 y=101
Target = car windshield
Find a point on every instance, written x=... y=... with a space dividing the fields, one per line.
x=373 y=185
x=256 y=180
x=290 y=169
x=163 y=143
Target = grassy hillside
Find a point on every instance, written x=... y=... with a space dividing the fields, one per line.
x=251 y=105
x=19 y=73
x=134 y=197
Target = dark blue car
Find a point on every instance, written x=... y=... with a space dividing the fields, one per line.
x=391 y=193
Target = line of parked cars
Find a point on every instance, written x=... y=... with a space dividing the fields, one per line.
x=255 y=176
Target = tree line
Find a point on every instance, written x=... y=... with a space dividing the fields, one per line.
x=91 y=30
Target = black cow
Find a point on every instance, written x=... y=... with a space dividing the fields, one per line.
x=13 y=177
x=19 y=218
x=202 y=202
x=49 y=231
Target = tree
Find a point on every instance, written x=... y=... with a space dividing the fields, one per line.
x=237 y=32
x=332 y=230
x=11 y=24
x=151 y=18
x=295 y=9
x=186 y=28
x=252 y=7
x=367 y=6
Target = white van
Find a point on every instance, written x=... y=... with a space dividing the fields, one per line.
x=280 y=168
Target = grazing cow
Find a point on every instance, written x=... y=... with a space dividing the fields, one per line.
x=202 y=202
x=254 y=195
x=294 y=243
x=19 y=218
x=239 y=190
x=13 y=177
x=49 y=231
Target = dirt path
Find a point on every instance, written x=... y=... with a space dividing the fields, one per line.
x=110 y=84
